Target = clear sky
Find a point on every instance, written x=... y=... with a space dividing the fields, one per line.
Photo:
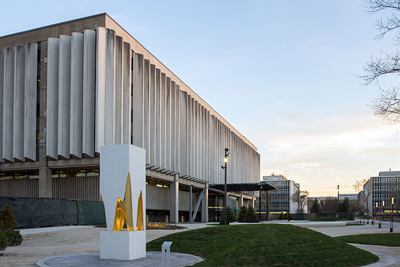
x=283 y=73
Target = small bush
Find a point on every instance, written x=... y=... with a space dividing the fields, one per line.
x=350 y=216
x=3 y=241
x=251 y=215
x=242 y=214
x=230 y=216
x=14 y=238
x=7 y=219
x=285 y=216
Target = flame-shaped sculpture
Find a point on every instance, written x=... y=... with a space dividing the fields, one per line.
x=124 y=213
x=139 y=225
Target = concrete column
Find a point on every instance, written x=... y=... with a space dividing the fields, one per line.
x=45 y=179
x=190 y=203
x=174 y=200
x=45 y=182
x=241 y=200
x=204 y=205
x=252 y=201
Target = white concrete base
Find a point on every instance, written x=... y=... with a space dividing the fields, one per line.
x=122 y=245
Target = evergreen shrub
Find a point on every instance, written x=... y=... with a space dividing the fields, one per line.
x=242 y=214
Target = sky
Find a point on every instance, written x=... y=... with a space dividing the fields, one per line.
x=285 y=74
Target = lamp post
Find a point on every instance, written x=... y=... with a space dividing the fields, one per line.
x=226 y=186
x=338 y=203
x=391 y=223
x=383 y=210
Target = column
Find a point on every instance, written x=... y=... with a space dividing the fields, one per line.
x=241 y=200
x=174 y=200
x=45 y=179
x=204 y=205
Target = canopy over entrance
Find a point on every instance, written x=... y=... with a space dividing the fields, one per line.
x=262 y=186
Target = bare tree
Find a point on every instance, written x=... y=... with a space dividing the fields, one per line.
x=366 y=193
x=387 y=104
x=300 y=197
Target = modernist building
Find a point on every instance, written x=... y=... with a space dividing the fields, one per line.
x=70 y=88
x=280 y=200
x=381 y=189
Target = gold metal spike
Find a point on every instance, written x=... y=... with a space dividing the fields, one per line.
x=140 y=226
x=123 y=210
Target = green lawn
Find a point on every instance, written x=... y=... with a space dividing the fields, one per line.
x=390 y=239
x=264 y=245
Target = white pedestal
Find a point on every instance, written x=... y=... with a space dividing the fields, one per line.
x=122 y=245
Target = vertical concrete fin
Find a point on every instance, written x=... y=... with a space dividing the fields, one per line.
x=168 y=124
x=152 y=115
x=163 y=121
x=158 y=119
x=100 y=87
x=64 y=96
x=126 y=93
x=52 y=98
x=30 y=110
x=118 y=108
x=146 y=114
x=109 y=108
x=76 y=111
x=19 y=96
x=8 y=104
x=1 y=103
x=137 y=100
x=89 y=83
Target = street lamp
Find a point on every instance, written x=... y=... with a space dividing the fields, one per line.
x=226 y=169
x=391 y=223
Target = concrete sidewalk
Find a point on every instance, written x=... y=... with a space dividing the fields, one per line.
x=93 y=259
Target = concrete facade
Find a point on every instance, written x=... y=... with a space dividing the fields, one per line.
x=70 y=88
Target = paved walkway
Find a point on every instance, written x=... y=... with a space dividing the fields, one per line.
x=388 y=256
x=93 y=259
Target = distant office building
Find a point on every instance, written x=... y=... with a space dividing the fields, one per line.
x=280 y=200
x=382 y=189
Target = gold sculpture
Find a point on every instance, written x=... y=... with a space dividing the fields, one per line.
x=124 y=213
x=139 y=225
